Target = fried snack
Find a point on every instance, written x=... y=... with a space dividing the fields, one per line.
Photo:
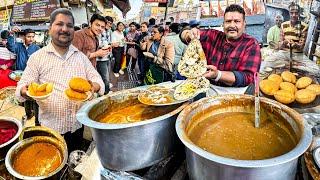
x=79 y=84
x=32 y=89
x=74 y=95
x=268 y=87
x=303 y=82
x=288 y=77
x=49 y=87
x=288 y=87
x=305 y=96
x=284 y=96
x=276 y=78
x=315 y=88
x=34 y=86
x=42 y=87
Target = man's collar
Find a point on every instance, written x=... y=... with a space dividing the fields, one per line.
x=50 y=48
x=235 y=40
x=89 y=32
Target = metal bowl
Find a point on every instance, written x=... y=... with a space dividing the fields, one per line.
x=27 y=142
x=205 y=165
x=6 y=146
x=129 y=146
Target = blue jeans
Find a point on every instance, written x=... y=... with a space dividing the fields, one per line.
x=103 y=70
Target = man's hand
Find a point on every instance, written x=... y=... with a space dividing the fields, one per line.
x=211 y=73
x=102 y=52
x=16 y=29
x=4 y=67
x=188 y=35
x=95 y=87
x=23 y=92
x=148 y=55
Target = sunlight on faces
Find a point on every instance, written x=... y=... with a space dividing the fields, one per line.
x=98 y=27
x=233 y=25
x=62 y=30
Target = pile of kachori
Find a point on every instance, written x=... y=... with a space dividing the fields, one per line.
x=286 y=88
x=35 y=89
x=78 y=89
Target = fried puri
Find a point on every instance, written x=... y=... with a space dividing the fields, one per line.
x=303 y=82
x=276 y=78
x=75 y=95
x=79 y=84
x=315 y=88
x=268 y=87
x=284 y=96
x=288 y=87
x=305 y=96
x=288 y=77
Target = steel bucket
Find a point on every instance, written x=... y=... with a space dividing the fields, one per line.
x=204 y=165
x=132 y=146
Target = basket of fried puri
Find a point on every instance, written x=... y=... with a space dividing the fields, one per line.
x=40 y=91
x=288 y=89
x=79 y=89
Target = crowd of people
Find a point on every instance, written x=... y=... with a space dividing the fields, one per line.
x=90 y=52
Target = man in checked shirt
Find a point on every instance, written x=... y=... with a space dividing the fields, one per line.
x=233 y=56
x=58 y=62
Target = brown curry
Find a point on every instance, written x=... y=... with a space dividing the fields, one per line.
x=134 y=111
x=233 y=135
x=37 y=159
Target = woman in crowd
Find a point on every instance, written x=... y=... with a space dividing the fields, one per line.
x=118 y=50
x=142 y=37
x=160 y=54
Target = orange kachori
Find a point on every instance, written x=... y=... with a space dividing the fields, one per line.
x=305 y=96
x=268 y=87
x=284 y=96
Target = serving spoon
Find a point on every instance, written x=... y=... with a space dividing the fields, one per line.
x=256 y=101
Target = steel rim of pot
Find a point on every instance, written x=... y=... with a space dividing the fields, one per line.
x=18 y=123
x=300 y=148
x=29 y=141
x=83 y=114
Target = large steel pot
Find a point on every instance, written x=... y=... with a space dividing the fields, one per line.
x=204 y=165
x=12 y=153
x=6 y=146
x=129 y=146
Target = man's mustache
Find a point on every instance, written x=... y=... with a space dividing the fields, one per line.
x=232 y=29
x=66 y=34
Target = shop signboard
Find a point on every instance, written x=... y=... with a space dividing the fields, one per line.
x=4 y=18
x=33 y=10
x=4 y=3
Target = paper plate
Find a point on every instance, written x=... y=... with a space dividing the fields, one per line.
x=39 y=97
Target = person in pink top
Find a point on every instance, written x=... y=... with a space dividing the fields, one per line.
x=7 y=58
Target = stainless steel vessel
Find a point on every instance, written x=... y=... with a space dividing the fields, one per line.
x=61 y=145
x=204 y=165
x=130 y=146
x=6 y=146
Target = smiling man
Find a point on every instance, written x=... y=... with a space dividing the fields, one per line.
x=86 y=39
x=58 y=62
x=233 y=56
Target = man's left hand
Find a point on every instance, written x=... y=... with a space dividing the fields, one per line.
x=211 y=73
x=95 y=87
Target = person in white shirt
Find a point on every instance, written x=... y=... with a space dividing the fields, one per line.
x=118 y=50
x=58 y=62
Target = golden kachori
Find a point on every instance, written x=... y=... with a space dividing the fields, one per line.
x=305 y=96
x=284 y=96
x=276 y=78
x=303 y=82
x=268 y=87
x=79 y=84
x=74 y=95
x=288 y=87
x=288 y=77
x=315 y=88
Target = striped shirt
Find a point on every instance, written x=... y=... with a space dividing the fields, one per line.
x=297 y=34
x=46 y=65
